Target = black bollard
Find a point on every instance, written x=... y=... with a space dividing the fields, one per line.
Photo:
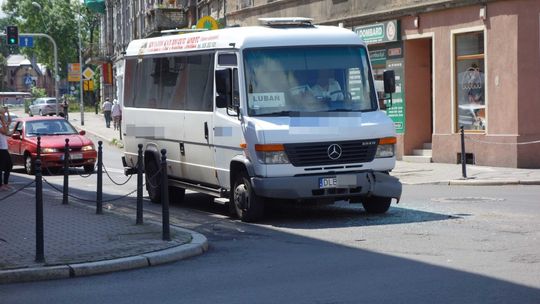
x=463 y=164
x=165 y=197
x=139 y=185
x=120 y=129
x=66 y=173
x=99 y=192
x=40 y=255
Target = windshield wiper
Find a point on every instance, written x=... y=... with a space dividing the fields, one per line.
x=341 y=110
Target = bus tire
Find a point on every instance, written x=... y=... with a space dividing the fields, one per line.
x=376 y=204
x=248 y=206
x=153 y=180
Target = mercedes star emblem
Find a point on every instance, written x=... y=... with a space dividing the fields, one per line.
x=334 y=151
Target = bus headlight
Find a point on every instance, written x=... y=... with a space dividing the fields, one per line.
x=386 y=147
x=271 y=154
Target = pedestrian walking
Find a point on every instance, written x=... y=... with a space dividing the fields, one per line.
x=65 y=106
x=5 y=159
x=116 y=114
x=106 y=108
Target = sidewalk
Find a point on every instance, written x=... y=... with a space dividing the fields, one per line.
x=77 y=241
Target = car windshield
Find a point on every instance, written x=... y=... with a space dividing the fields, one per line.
x=49 y=127
x=281 y=81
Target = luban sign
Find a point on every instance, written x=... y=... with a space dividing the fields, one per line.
x=379 y=32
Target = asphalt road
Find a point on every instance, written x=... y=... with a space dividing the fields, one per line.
x=441 y=244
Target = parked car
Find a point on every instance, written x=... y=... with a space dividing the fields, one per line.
x=44 y=106
x=53 y=131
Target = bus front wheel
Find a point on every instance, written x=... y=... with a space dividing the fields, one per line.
x=248 y=206
x=153 y=181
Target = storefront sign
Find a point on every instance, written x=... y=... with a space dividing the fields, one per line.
x=397 y=111
x=379 y=32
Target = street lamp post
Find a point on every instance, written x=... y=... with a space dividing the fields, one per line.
x=81 y=89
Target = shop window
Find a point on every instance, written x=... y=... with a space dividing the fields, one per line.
x=470 y=81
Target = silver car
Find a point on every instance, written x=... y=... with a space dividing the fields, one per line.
x=44 y=106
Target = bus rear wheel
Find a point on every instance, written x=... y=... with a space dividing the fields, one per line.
x=247 y=205
x=153 y=181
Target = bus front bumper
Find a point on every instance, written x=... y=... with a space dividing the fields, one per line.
x=361 y=184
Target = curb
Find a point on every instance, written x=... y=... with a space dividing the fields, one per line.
x=197 y=246
x=476 y=182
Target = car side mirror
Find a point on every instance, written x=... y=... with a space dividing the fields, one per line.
x=82 y=132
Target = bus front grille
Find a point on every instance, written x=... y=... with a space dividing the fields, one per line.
x=328 y=153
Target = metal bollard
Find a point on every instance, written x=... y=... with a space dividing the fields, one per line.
x=165 y=197
x=40 y=255
x=139 y=186
x=99 y=191
x=463 y=158
x=66 y=173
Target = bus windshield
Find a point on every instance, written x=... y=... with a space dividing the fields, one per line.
x=285 y=80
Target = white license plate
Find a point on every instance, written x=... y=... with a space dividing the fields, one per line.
x=76 y=156
x=327 y=182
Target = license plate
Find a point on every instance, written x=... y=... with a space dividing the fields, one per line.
x=75 y=156
x=327 y=182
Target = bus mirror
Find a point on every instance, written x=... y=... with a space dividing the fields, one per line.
x=389 y=81
x=221 y=101
x=223 y=82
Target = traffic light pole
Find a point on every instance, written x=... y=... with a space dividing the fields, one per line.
x=56 y=76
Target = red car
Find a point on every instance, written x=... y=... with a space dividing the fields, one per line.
x=53 y=131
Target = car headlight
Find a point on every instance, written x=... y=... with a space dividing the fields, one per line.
x=271 y=154
x=49 y=150
x=386 y=147
x=87 y=148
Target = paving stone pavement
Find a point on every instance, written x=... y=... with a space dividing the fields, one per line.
x=72 y=233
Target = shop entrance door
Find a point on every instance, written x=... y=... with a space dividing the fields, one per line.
x=418 y=93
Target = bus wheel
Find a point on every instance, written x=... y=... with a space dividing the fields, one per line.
x=376 y=205
x=153 y=181
x=249 y=206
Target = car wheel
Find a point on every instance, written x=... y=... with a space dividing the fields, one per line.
x=29 y=165
x=376 y=204
x=89 y=168
x=153 y=180
x=247 y=205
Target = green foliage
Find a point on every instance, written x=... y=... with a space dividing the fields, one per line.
x=38 y=92
x=58 y=19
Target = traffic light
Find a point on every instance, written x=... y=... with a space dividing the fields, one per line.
x=12 y=35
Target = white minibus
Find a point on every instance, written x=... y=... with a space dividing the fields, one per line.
x=284 y=111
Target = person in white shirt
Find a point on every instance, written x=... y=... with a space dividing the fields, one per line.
x=116 y=114
x=326 y=87
x=106 y=108
x=5 y=159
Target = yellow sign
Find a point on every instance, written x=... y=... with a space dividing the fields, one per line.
x=207 y=22
x=88 y=85
x=88 y=73
x=74 y=72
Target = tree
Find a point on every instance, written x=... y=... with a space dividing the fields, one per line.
x=58 y=19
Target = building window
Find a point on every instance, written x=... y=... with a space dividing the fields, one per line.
x=470 y=81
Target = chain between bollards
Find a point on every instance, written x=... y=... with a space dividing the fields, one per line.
x=139 y=185
x=99 y=191
x=40 y=251
x=463 y=158
x=165 y=197
x=66 y=173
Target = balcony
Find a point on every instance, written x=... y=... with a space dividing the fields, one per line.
x=96 y=54
x=164 y=17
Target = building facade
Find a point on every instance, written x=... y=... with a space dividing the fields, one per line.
x=462 y=64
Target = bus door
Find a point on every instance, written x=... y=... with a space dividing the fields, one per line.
x=197 y=148
x=227 y=131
